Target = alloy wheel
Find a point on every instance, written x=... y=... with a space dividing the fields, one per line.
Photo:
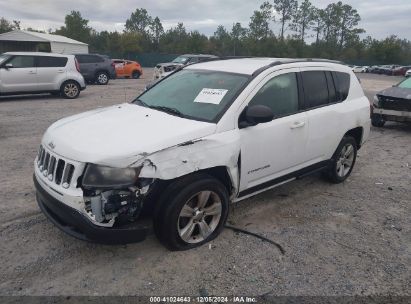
x=70 y=90
x=102 y=78
x=345 y=160
x=199 y=217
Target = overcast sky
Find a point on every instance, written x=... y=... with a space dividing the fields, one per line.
x=380 y=18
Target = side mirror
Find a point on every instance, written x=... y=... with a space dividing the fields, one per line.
x=8 y=66
x=255 y=115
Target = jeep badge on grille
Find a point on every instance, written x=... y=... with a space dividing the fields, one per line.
x=52 y=145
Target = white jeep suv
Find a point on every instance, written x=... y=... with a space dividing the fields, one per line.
x=36 y=72
x=210 y=134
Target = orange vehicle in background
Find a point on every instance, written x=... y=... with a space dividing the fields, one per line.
x=128 y=68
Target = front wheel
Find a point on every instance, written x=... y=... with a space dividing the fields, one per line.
x=102 y=78
x=70 y=89
x=193 y=212
x=136 y=75
x=377 y=120
x=343 y=161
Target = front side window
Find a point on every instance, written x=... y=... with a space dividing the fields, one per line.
x=280 y=94
x=22 y=61
x=195 y=94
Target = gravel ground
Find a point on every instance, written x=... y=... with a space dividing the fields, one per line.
x=348 y=239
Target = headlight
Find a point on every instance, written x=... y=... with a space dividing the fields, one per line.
x=376 y=101
x=101 y=177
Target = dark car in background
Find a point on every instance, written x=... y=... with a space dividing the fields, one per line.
x=400 y=71
x=392 y=104
x=96 y=68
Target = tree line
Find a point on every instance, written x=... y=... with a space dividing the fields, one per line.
x=278 y=28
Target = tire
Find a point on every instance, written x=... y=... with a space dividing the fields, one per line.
x=136 y=75
x=70 y=89
x=102 y=78
x=343 y=161
x=377 y=120
x=182 y=222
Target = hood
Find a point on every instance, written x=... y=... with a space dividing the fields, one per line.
x=121 y=134
x=396 y=93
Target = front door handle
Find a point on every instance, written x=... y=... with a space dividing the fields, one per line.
x=32 y=72
x=297 y=124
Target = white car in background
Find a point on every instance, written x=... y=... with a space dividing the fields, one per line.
x=36 y=72
x=358 y=69
x=408 y=73
x=162 y=70
x=214 y=132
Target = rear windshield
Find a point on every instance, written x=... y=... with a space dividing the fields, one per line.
x=196 y=94
x=406 y=84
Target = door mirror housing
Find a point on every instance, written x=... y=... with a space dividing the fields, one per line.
x=254 y=115
x=8 y=66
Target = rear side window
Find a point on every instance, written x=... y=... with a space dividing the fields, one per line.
x=315 y=88
x=22 y=61
x=89 y=58
x=280 y=94
x=49 y=62
x=342 y=85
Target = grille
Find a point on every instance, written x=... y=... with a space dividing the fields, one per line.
x=395 y=104
x=56 y=170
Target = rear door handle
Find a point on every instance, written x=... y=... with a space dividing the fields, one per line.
x=297 y=124
x=32 y=72
x=60 y=71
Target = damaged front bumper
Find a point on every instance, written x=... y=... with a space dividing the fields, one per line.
x=76 y=224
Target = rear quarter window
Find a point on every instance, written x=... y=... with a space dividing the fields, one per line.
x=342 y=84
x=48 y=62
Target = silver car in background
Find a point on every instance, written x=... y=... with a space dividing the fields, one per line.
x=162 y=70
x=37 y=72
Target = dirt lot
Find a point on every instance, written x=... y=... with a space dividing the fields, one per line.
x=352 y=238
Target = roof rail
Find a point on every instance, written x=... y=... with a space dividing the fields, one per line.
x=275 y=63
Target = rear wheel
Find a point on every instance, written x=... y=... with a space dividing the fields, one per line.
x=343 y=161
x=102 y=78
x=193 y=212
x=136 y=74
x=70 y=89
x=377 y=120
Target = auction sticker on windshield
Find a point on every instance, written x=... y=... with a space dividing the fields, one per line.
x=213 y=96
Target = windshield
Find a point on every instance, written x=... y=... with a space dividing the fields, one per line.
x=195 y=94
x=3 y=57
x=406 y=84
x=180 y=59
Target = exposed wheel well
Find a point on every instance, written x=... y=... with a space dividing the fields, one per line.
x=356 y=133
x=219 y=173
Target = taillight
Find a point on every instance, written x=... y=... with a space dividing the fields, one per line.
x=77 y=65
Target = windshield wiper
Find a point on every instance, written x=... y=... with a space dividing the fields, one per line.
x=169 y=110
